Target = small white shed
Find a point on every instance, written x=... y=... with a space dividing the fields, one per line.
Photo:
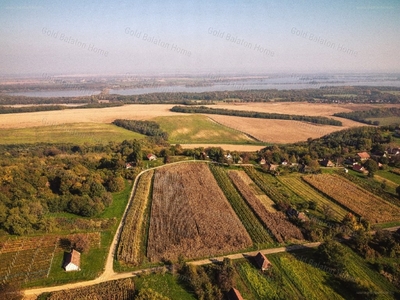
x=72 y=261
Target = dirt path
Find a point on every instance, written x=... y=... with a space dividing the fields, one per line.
x=108 y=276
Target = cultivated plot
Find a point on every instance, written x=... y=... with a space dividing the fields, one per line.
x=356 y=199
x=191 y=216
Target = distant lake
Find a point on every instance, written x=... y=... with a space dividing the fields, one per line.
x=279 y=83
x=55 y=93
x=283 y=83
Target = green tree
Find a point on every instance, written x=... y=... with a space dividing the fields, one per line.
x=371 y=167
x=332 y=254
x=115 y=184
x=136 y=156
x=398 y=191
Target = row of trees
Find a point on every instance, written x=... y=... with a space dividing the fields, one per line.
x=149 y=128
x=363 y=116
x=254 y=114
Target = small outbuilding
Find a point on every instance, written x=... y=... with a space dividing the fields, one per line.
x=262 y=262
x=151 y=157
x=327 y=163
x=72 y=261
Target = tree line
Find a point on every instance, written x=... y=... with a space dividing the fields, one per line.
x=149 y=128
x=254 y=114
x=363 y=116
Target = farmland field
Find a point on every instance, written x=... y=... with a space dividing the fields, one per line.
x=278 y=131
x=308 y=193
x=288 y=280
x=78 y=133
x=276 y=222
x=256 y=230
x=360 y=201
x=198 y=128
x=191 y=216
x=27 y=259
x=130 y=247
x=264 y=199
x=118 y=290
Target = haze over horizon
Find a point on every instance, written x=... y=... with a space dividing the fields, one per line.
x=187 y=37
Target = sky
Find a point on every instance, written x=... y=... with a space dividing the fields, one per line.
x=192 y=37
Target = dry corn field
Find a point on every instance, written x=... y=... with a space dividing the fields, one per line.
x=130 y=245
x=358 y=200
x=264 y=199
x=280 y=228
x=191 y=216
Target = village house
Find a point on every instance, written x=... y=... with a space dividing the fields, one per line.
x=393 y=151
x=128 y=166
x=234 y=294
x=151 y=157
x=72 y=261
x=327 y=163
x=359 y=168
x=262 y=262
x=263 y=161
x=363 y=156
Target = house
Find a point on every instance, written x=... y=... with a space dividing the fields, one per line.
x=262 y=161
x=327 y=163
x=228 y=157
x=234 y=294
x=302 y=217
x=128 y=166
x=273 y=167
x=284 y=163
x=359 y=168
x=151 y=157
x=262 y=262
x=72 y=261
x=363 y=156
x=393 y=151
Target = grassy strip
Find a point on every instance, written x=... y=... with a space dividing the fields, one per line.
x=253 y=226
x=308 y=193
x=130 y=248
x=254 y=114
x=265 y=185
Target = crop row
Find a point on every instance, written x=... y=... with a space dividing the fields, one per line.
x=129 y=248
x=308 y=193
x=117 y=290
x=253 y=226
x=395 y=171
x=371 y=186
x=280 y=228
x=360 y=201
x=273 y=192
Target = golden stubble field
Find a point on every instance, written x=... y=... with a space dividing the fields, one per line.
x=273 y=131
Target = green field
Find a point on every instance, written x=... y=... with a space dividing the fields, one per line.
x=301 y=188
x=199 y=129
x=165 y=284
x=386 y=121
x=77 y=133
x=300 y=276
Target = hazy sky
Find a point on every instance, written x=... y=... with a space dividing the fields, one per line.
x=116 y=37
